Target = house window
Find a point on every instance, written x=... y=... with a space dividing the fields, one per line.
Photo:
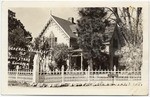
x=55 y=39
x=75 y=33
x=52 y=39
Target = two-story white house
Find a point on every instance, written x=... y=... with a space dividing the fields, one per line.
x=64 y=31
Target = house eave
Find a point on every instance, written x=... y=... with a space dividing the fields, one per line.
x=60 y=26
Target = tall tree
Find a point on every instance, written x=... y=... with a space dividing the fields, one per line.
x=17 y=34
x=91 y=27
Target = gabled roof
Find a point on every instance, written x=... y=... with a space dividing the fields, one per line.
x=120 y=36
x=109 y=32
x=66 y=26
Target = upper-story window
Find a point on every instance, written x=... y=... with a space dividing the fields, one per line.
x=75 y=33
x=53 y=39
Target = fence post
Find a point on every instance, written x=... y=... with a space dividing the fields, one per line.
x=81 y=61
x=36 y=68
x=114 y=74
x=62 y=73
x=88 y=73
x=17 y=68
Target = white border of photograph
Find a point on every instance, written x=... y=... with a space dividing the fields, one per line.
x=102 y=90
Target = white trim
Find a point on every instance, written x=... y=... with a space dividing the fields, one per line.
x=60 y=26
x=46 y=28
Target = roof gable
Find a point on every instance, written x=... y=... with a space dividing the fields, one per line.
x=113 y=31
x=109 y=32
x=65 y=26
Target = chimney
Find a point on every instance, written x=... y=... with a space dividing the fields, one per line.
x=71 y=19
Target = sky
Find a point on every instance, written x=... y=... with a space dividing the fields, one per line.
x=34 y=19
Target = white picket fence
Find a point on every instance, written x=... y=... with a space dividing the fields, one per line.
x=76 y=76
x=20 y=75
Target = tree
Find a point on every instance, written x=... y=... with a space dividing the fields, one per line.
x=42 y=43
x=129 y=21
x=59 y=52
x=91 y=28
x=17 y=35
x=61 y=55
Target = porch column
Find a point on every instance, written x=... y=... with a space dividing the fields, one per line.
x=81 y=61
x=68 y=64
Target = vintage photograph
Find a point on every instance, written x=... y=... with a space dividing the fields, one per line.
x=75 y=47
